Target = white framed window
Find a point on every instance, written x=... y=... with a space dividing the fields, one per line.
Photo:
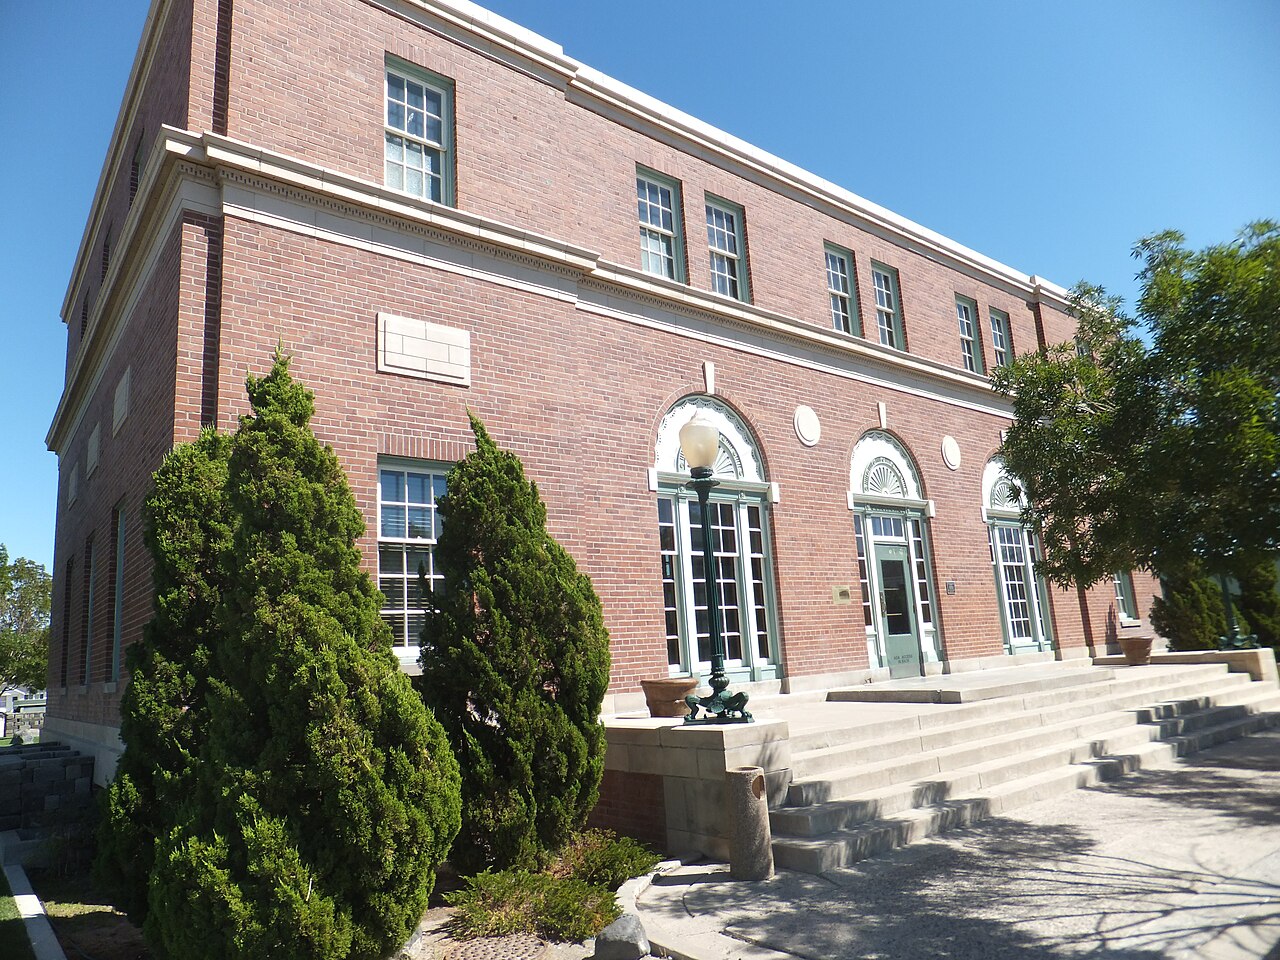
x=1126 y=606
x=135 y=165
x=742 y=551
x=840 y=288
x=888 y=308
x=658 y=207
x=1000 y=339
x=92 y=450
x=86 y=619
x=418 y=133
x=120 y=402
x=1022 y=591
x=117 y=590
x=725 y=243
x=970 y=349
x=408 y=527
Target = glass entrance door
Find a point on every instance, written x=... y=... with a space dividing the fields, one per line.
x=897 y=610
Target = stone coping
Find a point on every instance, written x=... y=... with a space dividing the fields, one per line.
x=1260 y=664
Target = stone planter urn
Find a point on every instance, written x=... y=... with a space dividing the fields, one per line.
x=665 y=697
x=1137 y=650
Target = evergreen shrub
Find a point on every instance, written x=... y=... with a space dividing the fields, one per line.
x=283 y=790
x=1259 y=602
x=515 y=662
x=1191 y=614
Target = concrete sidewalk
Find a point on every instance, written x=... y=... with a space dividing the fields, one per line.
x=1175 y=863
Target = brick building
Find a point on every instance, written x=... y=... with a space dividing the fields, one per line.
x=434 y=210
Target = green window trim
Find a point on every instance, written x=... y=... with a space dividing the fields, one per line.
x=419 y=139
x=660 y=213
x=727 y=249
x=889 y=323
x=842 y=289
x=1001 y=338
x=970 y=340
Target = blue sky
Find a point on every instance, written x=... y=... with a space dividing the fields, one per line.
x=1050 y=136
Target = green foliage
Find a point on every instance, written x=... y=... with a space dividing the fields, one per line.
x=600 y=858
x=1191 y=614
x=24 y=623
x=518 y=901
x=515 y=662
x=1259 y=602
x=1161 y=445
x=283 y=792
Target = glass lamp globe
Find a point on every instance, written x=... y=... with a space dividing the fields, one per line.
x=699 y=441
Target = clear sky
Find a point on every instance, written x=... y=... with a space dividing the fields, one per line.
x=1049 y=136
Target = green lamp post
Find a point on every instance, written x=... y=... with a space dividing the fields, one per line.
x=700 y=444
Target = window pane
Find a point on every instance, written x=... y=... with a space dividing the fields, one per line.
x=418 y=486
x=393 y=521
x=414 y=98
x=391 y=486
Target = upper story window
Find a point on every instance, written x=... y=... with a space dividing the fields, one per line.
x=106 y=253
x=844 y=305
x=970 y=349
x=135 y=167
x=999 y=336
x=658 y=205
x=888 y=308
x=419 y=134
x=728 y=260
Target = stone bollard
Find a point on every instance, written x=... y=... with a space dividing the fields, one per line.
x=750 y=842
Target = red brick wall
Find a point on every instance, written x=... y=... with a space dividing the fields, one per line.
x=576 y=395
x=632 y=804
x=126 y=462
x=313 y=87
x=542 y=372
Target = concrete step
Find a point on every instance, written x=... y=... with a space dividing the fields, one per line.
x=846 y=845
x=967 y=688
x=990 y=737
x=1098 y=736
x=1130 y=680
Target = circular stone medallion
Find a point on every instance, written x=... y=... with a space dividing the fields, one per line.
x=808 y=426
x=951 y=452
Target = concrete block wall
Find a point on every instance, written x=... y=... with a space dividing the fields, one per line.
x=39 y=782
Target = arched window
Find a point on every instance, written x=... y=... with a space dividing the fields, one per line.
x=890 y=526
x=743 y=556
x=1024 y=606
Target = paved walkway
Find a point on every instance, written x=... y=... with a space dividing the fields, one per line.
x=1178 y=863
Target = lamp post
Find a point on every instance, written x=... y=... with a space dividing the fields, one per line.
x=700 y=444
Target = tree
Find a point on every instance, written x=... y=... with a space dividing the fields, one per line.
x=301 y=796
x=1154 y=441
x=24 y=623
x=515 y=662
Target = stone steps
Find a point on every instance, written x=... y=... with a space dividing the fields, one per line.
x=912 y=792
x=843 y=768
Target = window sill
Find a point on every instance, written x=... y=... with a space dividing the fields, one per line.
x=1130 y=624
x=110 y=686
x=80 y=690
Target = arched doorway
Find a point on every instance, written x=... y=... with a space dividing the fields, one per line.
x=743 y=550
x=890 y=524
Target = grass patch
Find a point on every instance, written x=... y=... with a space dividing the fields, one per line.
x=83 y=918
x=14 y=944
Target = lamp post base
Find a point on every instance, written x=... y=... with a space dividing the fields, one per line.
x=720 y=707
